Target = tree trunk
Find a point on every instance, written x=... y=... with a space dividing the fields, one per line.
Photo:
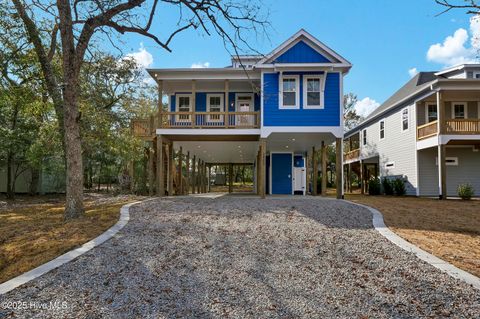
x=34 y=181
x=10 y=190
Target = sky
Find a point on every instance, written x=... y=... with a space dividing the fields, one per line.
x=387 y=41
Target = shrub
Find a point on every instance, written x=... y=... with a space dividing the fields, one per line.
x=465 y=191
x=399 y=187
x=387 y=186
x=374 y=186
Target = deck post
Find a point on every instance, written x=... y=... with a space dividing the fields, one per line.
x=442 y=172
x=160 y=167
x=199 y=176
x=209 y=177
x=187 y=173
x=193 y=176
x=362 y=182
x=230 y=178
x=151 y=167
x=160 y=103
x=227 y=104
x=180 y=175
x=263 y=170
x=315 y=172
x=324 y=169
x=171 y=169
x=307 y=173
x=194 y=103
x=339 y=168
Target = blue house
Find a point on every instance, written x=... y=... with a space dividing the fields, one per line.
x=272 y=111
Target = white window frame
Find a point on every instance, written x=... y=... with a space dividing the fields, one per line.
x=408 y=119
x=380 y=129
x=321 y=78
x=364 y=137
x=426 y=111
x=177 y=105
x=297 y=92
x=475 y=73
x=222 y=108
x=389 y=165
x=449 y=161
x=465 y=110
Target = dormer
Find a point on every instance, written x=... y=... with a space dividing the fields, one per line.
x=461 y=71
x=248 y=61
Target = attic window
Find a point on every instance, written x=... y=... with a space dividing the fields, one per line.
x=289 y=95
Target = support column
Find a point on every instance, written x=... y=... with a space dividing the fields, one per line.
x=362 y=179
x=263 y=170
x=339 y=168
x=442 y=172
x=350 y=177
x=179 y=173
x=209 y=176
x=151 y=168
x=227 y=103
x=315 y=172
x=307 y=173
x=230 y=178
x=324 y=169
x=194 y=174
x=199 y=177
x=171 y=169
x=187 y=174
x=160 y=164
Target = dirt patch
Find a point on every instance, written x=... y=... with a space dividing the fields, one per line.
x=447 y=229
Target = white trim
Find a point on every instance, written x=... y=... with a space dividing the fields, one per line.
x=465 y=109
x=379 y=224
x=261 y=99
x=177 y=97
x=222 y=106
x=340 y=98
x=291 y=169
x=408 y=119
x=427 y=104
x=251 y=95
x=427 y=142
x=380 y=129
x=322 y=80
x=282 y=77
x=337 y=131
x=206 y=131
x=71 y=255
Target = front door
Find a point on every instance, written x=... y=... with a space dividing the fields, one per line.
x=244 y=104
x=281 y=173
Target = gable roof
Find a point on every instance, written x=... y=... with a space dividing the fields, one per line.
x=327 y=53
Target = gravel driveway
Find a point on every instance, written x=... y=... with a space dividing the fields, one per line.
x=244 y=257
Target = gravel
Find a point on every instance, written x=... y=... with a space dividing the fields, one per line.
x=242 y=257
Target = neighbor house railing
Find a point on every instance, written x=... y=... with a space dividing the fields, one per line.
x=427 y=130
x=462 y=126
x=351 y=155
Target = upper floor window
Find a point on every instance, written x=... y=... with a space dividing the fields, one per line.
x=459 y=110
x=476 y=75
x=215 y=105
x=431 y=110
x=364 y=135
x=312 y=92
x=289 y=97
x=184 y=105
x=382 y=129
x=405 y=119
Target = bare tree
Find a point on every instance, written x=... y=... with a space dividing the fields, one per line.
x=472 y=6
x=78 y=21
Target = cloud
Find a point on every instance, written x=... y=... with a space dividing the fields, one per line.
x=200 y=65
x=366 y=106
x=142 y=57
x=456 y=48
x=412 y=72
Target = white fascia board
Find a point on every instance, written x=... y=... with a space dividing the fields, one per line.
x=444 y=139
x=204 y=74
x=196 y=131
x=427 y=142
x=335 y=130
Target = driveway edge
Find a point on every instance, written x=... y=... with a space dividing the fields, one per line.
x=71 y=255
x=379 y=224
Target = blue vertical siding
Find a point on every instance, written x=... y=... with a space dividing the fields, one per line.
x=281 y=173
x=274 y=116
x=301 y=53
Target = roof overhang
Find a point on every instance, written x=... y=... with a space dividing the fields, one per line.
x=204 y=74
x=306 y=67
x=456 y=68
x=456 y=84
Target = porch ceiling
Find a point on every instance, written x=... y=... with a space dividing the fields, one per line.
x=237 y=152
x=297 y=142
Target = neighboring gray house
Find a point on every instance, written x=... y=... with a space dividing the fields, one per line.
x=434 y=115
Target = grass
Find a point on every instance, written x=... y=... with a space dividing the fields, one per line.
x=36 y=233
x=447 y=229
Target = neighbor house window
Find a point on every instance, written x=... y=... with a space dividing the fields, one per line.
x=405 y=119
x=476 y=75
x=390 y=165
x=289 y=97
x=449 y=161
x=431 y=112
x=184 y=104
x=312 y=92
x=459 y=110
x=364 y=135
x=382 y=129
x=215 y=105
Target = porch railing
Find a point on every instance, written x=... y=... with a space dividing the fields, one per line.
x=462 y=126
x=141 y=128
x=234 y=120
x=351 y=155
x=427 y=130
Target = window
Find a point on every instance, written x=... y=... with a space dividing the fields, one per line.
x=459 y=110
x=405 y=119
x=183 y=105
x=289 y=97
x=364 y=135
x=382 y=129
x=215 y=104
x=313 y=92
x=476 y=75
x=390 y=165
x=431 y=110
x=449 y=161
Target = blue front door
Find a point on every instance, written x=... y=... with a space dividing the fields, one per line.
x=281 y=173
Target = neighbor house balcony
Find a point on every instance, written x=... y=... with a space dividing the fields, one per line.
x=352 y=148
x=449 y=127
x=351 y=155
